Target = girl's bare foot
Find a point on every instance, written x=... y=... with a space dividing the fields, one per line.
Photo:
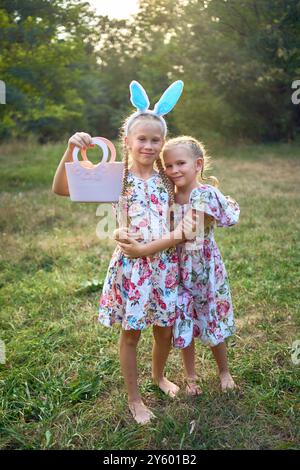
x=169 y=388
x=192 y=389
x=140 y=412
x=227 y=382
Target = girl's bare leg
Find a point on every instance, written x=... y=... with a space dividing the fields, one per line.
x=220 y=355
x=128 y=348
x=188 y=357
x=160 y=353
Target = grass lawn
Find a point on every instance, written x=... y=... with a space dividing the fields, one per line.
x=61 y=386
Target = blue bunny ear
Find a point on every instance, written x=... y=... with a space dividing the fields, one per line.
x=138 y=96
x=169 y=98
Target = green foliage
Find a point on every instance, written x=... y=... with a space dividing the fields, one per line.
x=67 y=69
x=43 y=46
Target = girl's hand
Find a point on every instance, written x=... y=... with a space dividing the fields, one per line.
x=123 y=233
x=60 y=183
x=81 y=140
x=120 y=234
x=194 y=223
x=208 y=220
x=131 y=248
x=187 y=226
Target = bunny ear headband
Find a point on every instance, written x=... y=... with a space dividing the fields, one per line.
x=140 y=101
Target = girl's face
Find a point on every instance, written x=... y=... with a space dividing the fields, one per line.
x=144 y=142
x=181 y=167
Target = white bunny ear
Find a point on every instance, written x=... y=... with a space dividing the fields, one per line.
x=138 y=96
x=169 y=98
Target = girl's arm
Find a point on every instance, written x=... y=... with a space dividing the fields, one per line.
x=185 y=230
x=60 y=183
x=135 y=249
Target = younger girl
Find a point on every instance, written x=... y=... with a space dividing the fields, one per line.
x=143 y=291
x=204 y=306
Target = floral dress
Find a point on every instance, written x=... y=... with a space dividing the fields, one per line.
x=204 y=307
x=142 y=291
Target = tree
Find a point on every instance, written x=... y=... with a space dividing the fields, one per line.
x=247 y=54
x=42 y=43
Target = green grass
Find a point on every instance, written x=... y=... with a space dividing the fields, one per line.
x=61 y=386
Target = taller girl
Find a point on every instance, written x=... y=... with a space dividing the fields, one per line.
x=143 y=291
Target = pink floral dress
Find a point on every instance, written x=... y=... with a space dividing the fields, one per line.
x=204 y=307
x=142 y=291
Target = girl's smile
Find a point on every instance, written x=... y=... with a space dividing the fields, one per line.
x=145 y=142
x=181 y=167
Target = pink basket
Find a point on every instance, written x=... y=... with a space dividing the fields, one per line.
x=95 y=183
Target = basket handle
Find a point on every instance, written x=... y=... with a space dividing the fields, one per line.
x=104 y=144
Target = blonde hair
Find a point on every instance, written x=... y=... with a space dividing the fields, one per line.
x=125 y=130
x=197 y=150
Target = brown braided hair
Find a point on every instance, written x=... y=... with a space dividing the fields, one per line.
x=168 y=184
x=126 y=169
